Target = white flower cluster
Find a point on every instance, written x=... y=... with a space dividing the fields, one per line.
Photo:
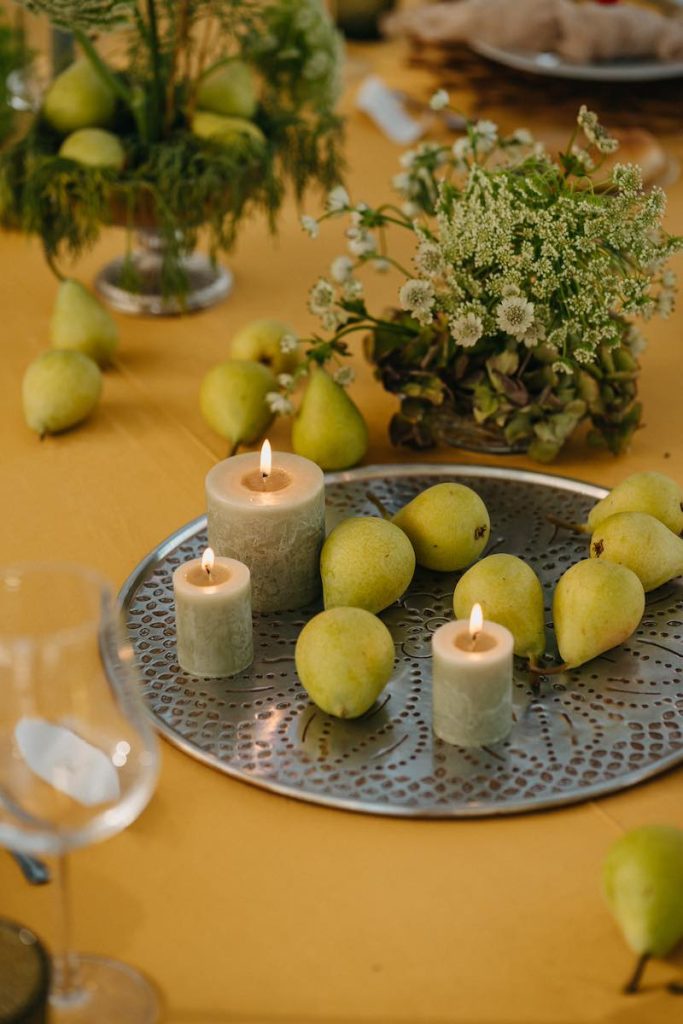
x=513 y=252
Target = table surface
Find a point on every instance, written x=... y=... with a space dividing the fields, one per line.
x=246 y=906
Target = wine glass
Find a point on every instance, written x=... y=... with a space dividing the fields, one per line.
x=78 y=756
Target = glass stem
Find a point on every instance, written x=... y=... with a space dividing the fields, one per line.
x=66 y=983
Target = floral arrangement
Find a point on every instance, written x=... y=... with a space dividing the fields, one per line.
x=518 y=319
x=179 y=174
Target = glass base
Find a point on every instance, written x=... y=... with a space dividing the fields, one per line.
x=110 y=993
x=207 y=283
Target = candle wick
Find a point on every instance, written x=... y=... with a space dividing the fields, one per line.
x=473 y=644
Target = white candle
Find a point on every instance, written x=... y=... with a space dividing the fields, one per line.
x=213 y=616
x=272 y=516
x=472 y=681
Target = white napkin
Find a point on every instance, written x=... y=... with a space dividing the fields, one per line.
x=377 y=100
x=577 y=32
x=67 y=762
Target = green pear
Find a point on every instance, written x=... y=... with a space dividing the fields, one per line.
x=641 y=543
x=228 y=89
x=59 y=390
x=229 y=131
x=329 y=428
x=78 y=98
x=344 y=659
x=94 y=147
x=448 y=525
x=80 y=322
x=654 y=493
x=261 y=340
x=642 y=879
x=233 y=402
x=366 y=562
x=510 y=593
x=596 y=606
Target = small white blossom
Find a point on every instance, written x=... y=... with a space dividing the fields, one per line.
x=285 y=380
x=353 y=290
x=669 y=279
x=333 y=319
x=418 y=298
x=666 y=301
x=462 y=148
x=341 y=269
x=562 y=366
x=321 y=296
x=429 y=259
x=515 y=315
x=534 y=335
x=289 y=343
x=344 y=375
x=466 y=330
x=509 y=289
x=338 y=200
x=279 y=404
x=310 y=226
x=584 y=158
x=381 y=265
x=361 y=242
x=487 y=135
x=410 y=209
x=402 y=182
x=439 y=100
x=594 y=131
x=522 y=137
x=408 y=158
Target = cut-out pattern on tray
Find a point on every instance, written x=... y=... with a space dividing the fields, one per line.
x=590 y=731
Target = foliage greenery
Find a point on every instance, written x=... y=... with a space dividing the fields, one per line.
x=173 y=179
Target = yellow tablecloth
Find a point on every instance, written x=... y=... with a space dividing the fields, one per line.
x=245 y=906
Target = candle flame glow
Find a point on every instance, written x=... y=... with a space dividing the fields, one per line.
x=266 y=459
x=208 y=559
x=476 y=621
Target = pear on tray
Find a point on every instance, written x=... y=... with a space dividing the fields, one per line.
x=654 y=493
x=344 y=659
x=448 y=526
x=366 y=562
x=596 y=606
x=642 y=543
x=510 y=593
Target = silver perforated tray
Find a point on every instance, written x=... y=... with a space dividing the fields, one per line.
x=608 y=725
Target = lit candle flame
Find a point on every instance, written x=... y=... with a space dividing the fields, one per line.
x=208 y=559
x=476 y=621
x=266 y=459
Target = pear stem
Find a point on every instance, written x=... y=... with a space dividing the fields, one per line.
x=232 y=449
x=379 y=505
x=546 y=670
x=565 y=524
x=633 y=984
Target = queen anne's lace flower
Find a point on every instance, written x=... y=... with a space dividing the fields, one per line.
x=418 y=298
x=515 y=315
x=321 y=296
x=594 y=131
x=466 y=330
x=429 y=259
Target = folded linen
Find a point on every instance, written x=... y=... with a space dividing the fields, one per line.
x=578 y=32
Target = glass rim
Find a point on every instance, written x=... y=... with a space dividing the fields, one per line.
x=76 y=570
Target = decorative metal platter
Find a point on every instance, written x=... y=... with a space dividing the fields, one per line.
x=588 y=732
